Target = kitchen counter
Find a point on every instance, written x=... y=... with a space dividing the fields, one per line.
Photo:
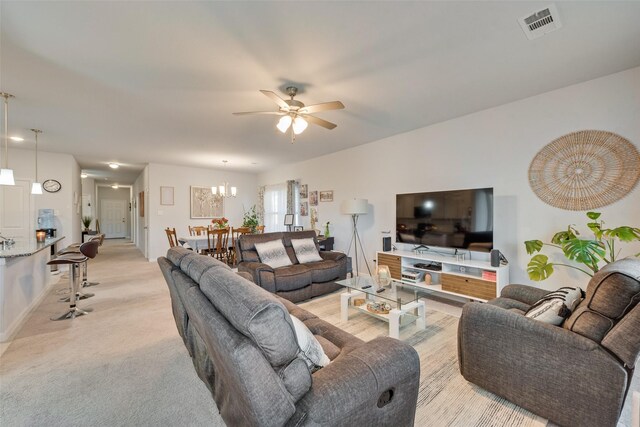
x=25 y=279
x=28 y=247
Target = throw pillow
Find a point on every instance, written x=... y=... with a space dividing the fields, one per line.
x=311 y=350
x=556 y=306
x=273 y=253
x=306 y=250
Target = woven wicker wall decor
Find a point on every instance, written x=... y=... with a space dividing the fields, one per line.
x=585 y=170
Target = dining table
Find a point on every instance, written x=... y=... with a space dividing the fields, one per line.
x=197 y=243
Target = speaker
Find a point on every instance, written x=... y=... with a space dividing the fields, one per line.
x=495 y=258
x=386 y=244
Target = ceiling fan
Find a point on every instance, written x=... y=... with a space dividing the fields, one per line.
x=295 y=115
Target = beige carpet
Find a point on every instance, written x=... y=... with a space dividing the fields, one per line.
x=124 y=364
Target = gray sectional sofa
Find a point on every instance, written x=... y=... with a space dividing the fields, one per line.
x=296 y=282
x=577 y=374
x=244 y=348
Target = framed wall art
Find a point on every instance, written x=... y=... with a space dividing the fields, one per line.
x=304 y=191
x=204 y=204
x=304 y=209
x=141 y=203
x=166 y=196
x=313 y=198
x=326 y=196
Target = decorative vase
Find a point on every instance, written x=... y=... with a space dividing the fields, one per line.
x=326 y=230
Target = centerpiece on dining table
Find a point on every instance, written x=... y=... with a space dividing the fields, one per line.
x=220 y=223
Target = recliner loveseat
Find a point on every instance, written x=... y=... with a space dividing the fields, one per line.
x=244 y=348
x=296 y=282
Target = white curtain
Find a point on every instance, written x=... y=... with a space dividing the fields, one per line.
x=275 y=207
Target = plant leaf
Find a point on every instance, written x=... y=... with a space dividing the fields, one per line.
x=596 y=227
x=562 y=236
x=587 y=252
x=624 y=233
x=539 y=268
x=533 y=246
x=593 y=215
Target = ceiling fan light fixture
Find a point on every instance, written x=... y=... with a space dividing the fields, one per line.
x=299 y=125
x=284 y=123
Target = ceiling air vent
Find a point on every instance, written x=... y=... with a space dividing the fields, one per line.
x=541 y=22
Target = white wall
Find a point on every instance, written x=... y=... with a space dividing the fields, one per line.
x=491 y=148
x=89 y=189
x=179 y=215
x=63 y=168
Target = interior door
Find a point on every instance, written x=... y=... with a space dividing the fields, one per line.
x=15 y=210
x=113 y=221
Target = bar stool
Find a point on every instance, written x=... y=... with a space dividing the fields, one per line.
x=89 y=250
x=73 y=260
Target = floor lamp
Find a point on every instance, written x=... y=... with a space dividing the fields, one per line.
x=355 y=208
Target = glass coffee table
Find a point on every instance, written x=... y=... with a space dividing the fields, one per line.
x=395 y=303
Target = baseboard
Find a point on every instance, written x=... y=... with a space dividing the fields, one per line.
x=18 y=323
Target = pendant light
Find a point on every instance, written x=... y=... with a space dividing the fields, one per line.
x=36 y=187
x=224 y=190
x=6 y=174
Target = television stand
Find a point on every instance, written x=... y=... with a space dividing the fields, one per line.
x=470 y=279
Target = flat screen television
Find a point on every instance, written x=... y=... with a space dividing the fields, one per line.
x=461 y=219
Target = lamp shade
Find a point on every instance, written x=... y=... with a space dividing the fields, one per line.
x=6 y=177
x=355 y=206
x=36 y=188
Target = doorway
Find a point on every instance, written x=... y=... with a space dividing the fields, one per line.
x=113 y=218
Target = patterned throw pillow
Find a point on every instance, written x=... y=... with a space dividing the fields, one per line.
x=305 y=250
x=312 y=351
x=556 y=306
x=273 y=253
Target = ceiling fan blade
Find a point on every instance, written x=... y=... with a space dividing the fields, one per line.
x=333 y=105
x=319 y=122
x=272 y=113
x=275 y=98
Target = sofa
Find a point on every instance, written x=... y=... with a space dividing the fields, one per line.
x=296 y=282
x=244 y=348
x=575 y=374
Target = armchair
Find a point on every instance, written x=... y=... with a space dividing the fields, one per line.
x=577 y=374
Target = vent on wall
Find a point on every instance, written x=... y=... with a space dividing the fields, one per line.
x=541 y=22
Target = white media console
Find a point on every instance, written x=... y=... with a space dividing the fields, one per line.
x=471 y=279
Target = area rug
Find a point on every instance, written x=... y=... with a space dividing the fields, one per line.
x=445 y=397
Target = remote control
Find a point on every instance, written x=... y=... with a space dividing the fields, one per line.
x=380 y=290
x=366 y=287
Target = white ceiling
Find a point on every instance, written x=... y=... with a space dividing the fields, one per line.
x=139 y=82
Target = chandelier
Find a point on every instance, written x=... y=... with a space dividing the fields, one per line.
x=224 y=190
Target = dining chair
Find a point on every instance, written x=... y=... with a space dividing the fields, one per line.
x=217 y=241
x=198 y=230
x=235 y=234
x=172 y=236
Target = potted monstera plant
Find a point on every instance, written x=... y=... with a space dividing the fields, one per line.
x=588 y=254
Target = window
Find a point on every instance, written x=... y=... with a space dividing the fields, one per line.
x=275 y=207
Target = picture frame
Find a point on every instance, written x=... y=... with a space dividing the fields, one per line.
x=304 y=193
x=166 y=196
x=204 y=204
x=326 y=196
x=304 y=209
x=313 y=198
x=141 y=204
x=288 y=219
